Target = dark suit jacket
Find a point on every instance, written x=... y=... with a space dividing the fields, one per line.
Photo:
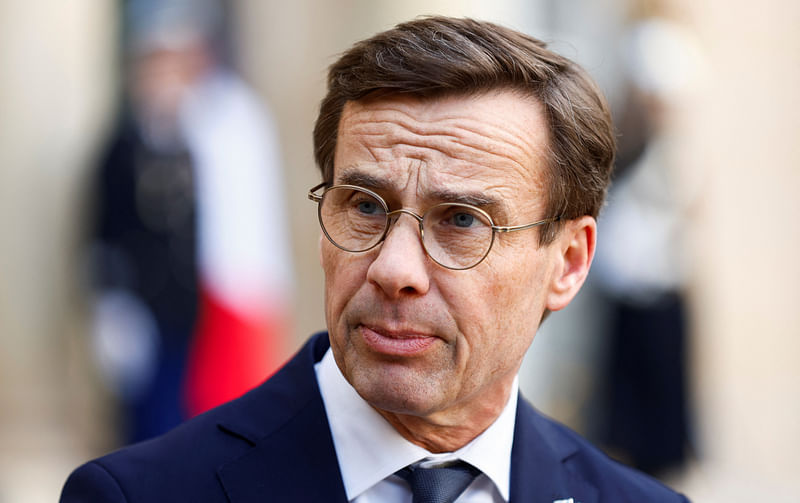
x=274 y=444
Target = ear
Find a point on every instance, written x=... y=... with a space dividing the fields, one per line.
x=574 y=247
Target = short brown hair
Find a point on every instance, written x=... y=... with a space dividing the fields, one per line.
x=438 y=56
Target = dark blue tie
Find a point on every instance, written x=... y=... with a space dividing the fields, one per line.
x=442 y=484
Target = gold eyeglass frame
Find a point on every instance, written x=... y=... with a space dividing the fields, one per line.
x=317 y=198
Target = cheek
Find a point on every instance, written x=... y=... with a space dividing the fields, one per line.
x=511 y=308
x=345 y=273
x=510 y=305
x=334 y=280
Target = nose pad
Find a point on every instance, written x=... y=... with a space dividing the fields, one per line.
x=394 y=218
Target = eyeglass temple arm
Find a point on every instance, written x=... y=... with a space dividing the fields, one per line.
x=514 y=228
x=315 y=197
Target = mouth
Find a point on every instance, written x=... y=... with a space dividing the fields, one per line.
x=396 y=343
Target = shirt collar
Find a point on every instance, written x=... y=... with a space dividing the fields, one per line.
x=357 y=428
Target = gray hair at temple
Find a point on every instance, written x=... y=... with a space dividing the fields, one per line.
x=438 y=56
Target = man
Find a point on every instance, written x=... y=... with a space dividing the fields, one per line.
x=463 y=167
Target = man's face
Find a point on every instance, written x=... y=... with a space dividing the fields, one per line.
x=413 y=337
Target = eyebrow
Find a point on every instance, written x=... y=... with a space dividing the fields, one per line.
x=361 y=179
x=472 y=198
x=487 y=203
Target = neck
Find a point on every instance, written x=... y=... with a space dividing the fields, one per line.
x=450 y=430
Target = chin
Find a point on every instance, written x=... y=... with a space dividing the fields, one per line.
x=398 y=394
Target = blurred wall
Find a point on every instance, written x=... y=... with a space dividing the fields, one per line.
x=55 y=92
x=742 y=129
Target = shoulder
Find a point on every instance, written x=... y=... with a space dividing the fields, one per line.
x=583 y=463
x=180 y=465
x=614 y=478
x=183 y=464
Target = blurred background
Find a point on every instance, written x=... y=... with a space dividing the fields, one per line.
x=158 y=254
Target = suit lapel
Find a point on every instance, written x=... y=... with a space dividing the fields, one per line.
x=538 y=469
x=295 y=463
x=293 y=457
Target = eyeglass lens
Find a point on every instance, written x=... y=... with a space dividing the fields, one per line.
x=455 y=235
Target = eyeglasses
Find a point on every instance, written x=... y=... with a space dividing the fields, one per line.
x=455 y=235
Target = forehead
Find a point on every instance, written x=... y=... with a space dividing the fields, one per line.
x=494 y=142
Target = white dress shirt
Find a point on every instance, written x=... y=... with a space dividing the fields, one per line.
x=370 y=450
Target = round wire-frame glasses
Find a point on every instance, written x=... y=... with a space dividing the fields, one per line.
x=459 y=237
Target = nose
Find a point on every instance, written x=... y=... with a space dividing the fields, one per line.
x=401 y=266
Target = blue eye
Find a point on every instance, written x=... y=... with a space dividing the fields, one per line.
x=463 y=219
x=368 y=207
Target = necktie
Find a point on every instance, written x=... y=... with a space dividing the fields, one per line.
x=441 y=484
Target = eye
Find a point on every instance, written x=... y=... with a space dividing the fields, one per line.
x=456 y=217
x=463 y=219
x=368 y=207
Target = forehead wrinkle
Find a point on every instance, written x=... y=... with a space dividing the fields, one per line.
x=456 y=136
x=478 y=148
x=386 y=121
x=400 y=129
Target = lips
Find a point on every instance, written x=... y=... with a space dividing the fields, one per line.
x=396 y=343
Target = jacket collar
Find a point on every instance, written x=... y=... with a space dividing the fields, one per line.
x=538 y=461
x=293 y=458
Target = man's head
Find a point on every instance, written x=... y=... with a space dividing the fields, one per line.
x=439 y=56
x=443 y=111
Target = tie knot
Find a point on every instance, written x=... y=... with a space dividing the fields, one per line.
x=441 y=484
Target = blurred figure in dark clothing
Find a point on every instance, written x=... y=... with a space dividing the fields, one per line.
x=641 y=267
x=172 y=272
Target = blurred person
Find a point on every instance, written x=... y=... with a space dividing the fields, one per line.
x=463 y=167
x=641 y=269
x=189 y=252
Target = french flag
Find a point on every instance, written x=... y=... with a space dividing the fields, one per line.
x=245 y=277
